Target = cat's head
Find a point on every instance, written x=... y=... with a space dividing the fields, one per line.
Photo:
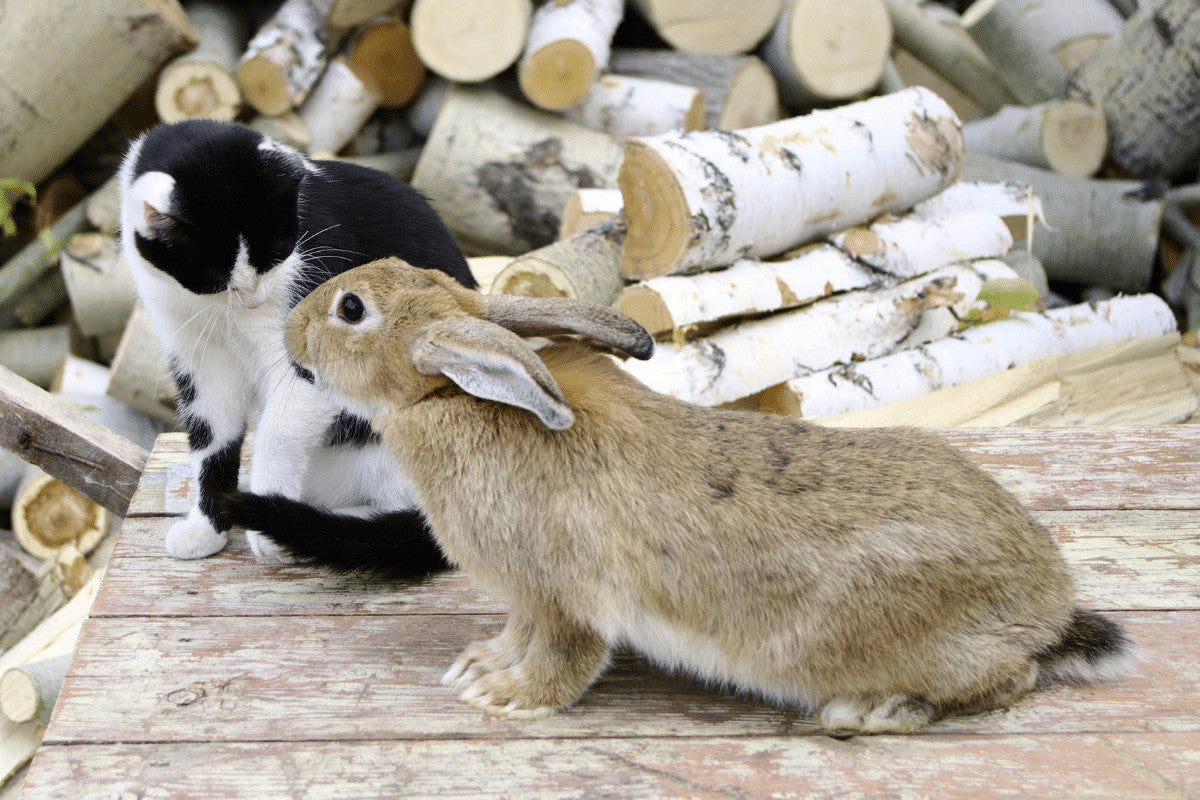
x=212 y=205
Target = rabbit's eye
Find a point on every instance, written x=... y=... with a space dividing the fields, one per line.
x=350 y=308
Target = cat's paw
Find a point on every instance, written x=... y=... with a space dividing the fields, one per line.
x=506 y=693
x=267 y=552
x=192 y=538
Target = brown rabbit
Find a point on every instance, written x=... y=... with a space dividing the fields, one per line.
x=874 y=577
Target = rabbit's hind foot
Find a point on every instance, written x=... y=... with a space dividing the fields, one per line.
x=899 y=713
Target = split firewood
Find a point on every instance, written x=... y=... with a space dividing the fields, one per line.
x=1075 y=246
x=98 y=282
x=1035 y=46
x=625 y=105
x=34 y=353
x=584 y=267
x=828 y=51
x=139 y=374
x=500 y=172
x=337 y=107
x=202 y=83
x=712 y=27
x=41 y=299
x=588 y=207
x=30 y=691
x=382 y=49
x=944 y=47
x=103 y=207
x=975 y=353
x=470 y=40
x=746 y=358
x=568 y=44
x=66 y=73
x=1066 y=136
x=72 y=568
x=699 y=200
x=1147 y=82
x=286 y=57
x=862 y=258
x=287 y=128
x=79 y=376
x=739 y=91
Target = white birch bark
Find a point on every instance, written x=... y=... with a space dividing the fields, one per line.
x=1068 y=136
x=98 y=282
x=743 y=359
x=569 y=43
x=625 y=105
x=863 y=258
x=470 y=40
x=337 y=107
x=588 y=207
x=703 y=199
x=139 y=376
x=285 y=58
x=202 y=83
x=584 y=267
x=711 y=27
x=980 y=351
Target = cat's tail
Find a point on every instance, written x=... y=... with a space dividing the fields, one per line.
x=394 y=545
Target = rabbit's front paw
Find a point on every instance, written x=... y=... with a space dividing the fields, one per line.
x=194 y=537
x=506 y=693
x=899 y=713
x=266 y=551
x=479 y=659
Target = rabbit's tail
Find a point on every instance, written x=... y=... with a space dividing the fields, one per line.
x=393 y=545
x=1092 y=648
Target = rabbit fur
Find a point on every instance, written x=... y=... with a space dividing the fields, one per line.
x=874 y=577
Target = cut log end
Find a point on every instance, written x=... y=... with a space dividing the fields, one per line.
x=655 y=214
x=469 y=41
x=752 y=99
x=838 y=50
x=527 y=283
x=645 y=307
x=264 y=84
x=559 y=75
x=191 y=89
x=1074 y=138
x=18 y=696
x=384 y=51
x=711 y=28
x=48 y=514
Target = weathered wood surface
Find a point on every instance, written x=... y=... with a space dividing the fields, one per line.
x=225 y=678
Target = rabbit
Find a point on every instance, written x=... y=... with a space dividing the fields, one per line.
x=873 y=578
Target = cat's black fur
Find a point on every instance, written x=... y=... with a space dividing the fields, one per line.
x=233 y=188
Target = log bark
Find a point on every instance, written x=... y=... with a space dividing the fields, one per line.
x=584 y=267
x=387 y=131
x=1118 y=252
x=624 y=105
x=1014 y=202
x=862 y=258
x=33 y=354
x=337 y=107
x=499 y=172
x=98 y=282
x=17 y=586
x=48 y=599
x=286 y=57
x=828 y=51
x=977 y=352
x=382 y=50
x=29 y=692
x=103 y=207
x=79 y=376
x=41 y=299
x=741 y=360
x=202 y=83
x=711 y=27
x=588 y=207
x=68 y=66
x=698 y=200
x=567 y=46
x=470 y=40
x=1067 y=136
x=1148 y=80
x=1035 y=46
x=349 y=13
x=739 y=91
x=139 y=374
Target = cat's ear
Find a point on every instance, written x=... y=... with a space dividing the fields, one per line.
x=158 y=224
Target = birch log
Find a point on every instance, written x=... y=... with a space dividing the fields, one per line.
x=33 y=354
x=139 y=376
x=698 y=200
x=348 y=13
x=98 y=282
x=827 y=51
x=1067 y=136
x=977 y=352
x=588 y=207
x=741 y=360
x=29 y=692
x=584 y=267
x=625 y=105
x=500 y=172
x=339 y=104
x=382 y=50
x=287 y=128
x=862 y=258
x=69 y=65
x=41 y=299
x=202 y=83
x=739 y=91
x=1148 y=80
x=470 y=40
x=1035 y=46
x=569 y=43
x=47 y=514
x=712 y=27
x=33 y=260
x=17 y=586
x=1118 y=251
x=286 y=57
x=484 y=270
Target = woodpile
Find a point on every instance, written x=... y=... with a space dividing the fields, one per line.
x=860 y=211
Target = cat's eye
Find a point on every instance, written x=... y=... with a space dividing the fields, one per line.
x=351 y=308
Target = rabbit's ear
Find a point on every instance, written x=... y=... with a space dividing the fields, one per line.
x=546 y=316
x=490 y=362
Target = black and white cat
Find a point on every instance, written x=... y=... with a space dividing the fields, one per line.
x=224 y=231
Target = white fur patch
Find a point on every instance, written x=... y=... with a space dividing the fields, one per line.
x=370 y=319
x=271 y=145
x=151 y=188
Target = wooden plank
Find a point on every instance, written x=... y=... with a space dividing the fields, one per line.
x=55 y=436
x=764 y=766
x=357 y=678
